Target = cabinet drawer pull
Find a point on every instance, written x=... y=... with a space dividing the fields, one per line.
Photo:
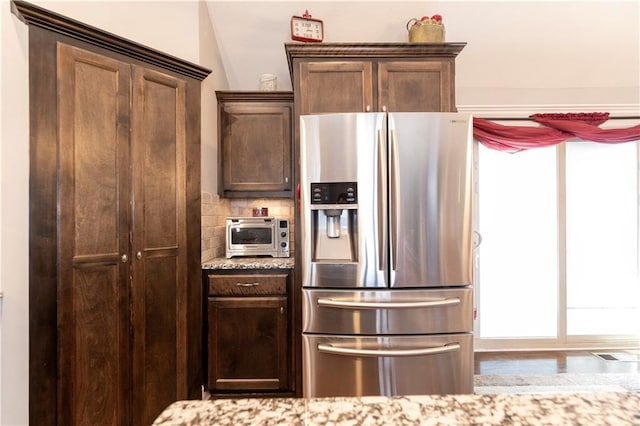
x=247 y=284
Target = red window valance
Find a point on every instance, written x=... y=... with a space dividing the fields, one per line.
x=556 y=128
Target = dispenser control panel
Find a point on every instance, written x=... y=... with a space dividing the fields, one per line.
x=334 y=193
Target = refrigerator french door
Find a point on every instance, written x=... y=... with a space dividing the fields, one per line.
x=387 y=250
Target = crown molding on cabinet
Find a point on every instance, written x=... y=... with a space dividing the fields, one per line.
x=254 y=96
x=371 y=50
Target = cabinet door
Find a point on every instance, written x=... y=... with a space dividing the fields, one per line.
x=335 y=87
x=159 y=243
x=247 y=340
x=415 y=86
x=93 y=283
x=256 y=147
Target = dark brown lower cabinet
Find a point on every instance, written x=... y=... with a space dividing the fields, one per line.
x=248 y=334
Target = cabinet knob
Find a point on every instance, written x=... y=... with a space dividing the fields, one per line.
x=139 y=255
x=281 y=310
x=384 y=108
x=367 y=108
x=286 y=179
x=124 y=258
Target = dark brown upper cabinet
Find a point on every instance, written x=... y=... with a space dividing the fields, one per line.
x=255 y=144
x=367 y=77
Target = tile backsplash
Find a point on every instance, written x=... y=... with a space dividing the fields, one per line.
x=215 y=210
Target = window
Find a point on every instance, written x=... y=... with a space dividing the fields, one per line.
x=517 y=274
x=558 y=262
x=602 y=239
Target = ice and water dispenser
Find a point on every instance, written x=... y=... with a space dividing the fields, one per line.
x=334 y=215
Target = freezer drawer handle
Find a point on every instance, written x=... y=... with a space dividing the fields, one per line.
x=338 y=303
x=452 y=347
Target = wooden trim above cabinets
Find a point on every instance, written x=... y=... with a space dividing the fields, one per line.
x=255 y=96
x=371 y=51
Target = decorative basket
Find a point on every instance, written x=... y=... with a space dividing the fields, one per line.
x=425 y=31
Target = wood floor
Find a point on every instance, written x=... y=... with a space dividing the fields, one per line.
x=573 y=362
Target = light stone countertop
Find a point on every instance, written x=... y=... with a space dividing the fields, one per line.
x=249 y=263
x=497 y=409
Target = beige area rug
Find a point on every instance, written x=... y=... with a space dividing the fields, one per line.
x=556 y=383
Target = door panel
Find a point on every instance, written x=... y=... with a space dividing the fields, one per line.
x=250 y=159
x=350 y=85
x=93 y=101
x=430 y=199
x=248 y=345
x=159 y=242
x=404 y=365
x=417 y=86
x=344 y=148
x=159 y=374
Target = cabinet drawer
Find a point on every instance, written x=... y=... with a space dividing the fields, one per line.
x=247 y=284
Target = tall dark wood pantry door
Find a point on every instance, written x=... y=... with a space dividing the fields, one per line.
x=94 y=216
x=159 y=239
x=122 y=240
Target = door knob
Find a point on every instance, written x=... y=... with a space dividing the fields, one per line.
x=124 y=258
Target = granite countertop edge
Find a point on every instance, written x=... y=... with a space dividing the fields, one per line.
x=222 y=263
x=608 y=408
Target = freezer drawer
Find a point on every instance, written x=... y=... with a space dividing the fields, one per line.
x=387 y=365
x=388 y=311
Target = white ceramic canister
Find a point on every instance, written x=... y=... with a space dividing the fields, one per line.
x=268 y=82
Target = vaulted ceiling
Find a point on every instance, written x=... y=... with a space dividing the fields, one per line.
x=511 y=45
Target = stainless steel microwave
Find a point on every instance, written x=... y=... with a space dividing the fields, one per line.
x=257 y=236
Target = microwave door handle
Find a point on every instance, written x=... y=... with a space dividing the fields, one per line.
x=351 y=304
x=340 y=350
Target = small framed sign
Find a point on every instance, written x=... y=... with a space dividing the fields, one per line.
x=307 y=29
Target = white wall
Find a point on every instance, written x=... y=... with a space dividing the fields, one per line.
x=217 y=80
x=518 y=52
x=14 y=225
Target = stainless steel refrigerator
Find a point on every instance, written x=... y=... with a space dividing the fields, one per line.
x=387 y=253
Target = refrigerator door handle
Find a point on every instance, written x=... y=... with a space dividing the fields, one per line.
x=393 y=189
x=477 y=240
x=382 y=200
x=432 y=303
x=328 y=348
